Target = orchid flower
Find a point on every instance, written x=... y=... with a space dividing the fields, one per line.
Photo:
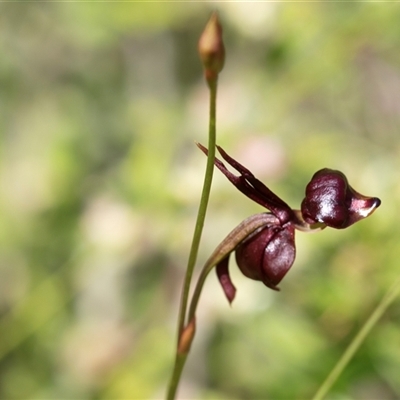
x=268 y=252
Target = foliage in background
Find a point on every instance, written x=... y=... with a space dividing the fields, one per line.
x=100 y=179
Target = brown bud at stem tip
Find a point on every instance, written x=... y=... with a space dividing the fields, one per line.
x=211 y=49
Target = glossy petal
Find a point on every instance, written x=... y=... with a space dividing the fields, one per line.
x=279 y=256
x=268 y=255
x=332 y=201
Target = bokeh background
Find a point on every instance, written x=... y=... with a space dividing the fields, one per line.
x=100 y=182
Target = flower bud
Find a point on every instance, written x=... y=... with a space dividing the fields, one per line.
x=211 y=48
x=332 y=201
x=268 y=255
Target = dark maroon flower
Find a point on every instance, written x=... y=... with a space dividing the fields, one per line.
x=332 y=201
x=268 y=252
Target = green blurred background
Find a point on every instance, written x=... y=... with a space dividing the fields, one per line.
x=100 y=182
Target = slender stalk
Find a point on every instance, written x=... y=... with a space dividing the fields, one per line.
x=180 y=360
x=205 y=195
x=202 y=208
x=355 y=344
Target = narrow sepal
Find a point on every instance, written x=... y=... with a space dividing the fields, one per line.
x=225 y=279
x=250 y=186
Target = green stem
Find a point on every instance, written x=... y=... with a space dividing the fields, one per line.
x=180 y=360
x=355 y=344
x=202 y=208
x=205 y=195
